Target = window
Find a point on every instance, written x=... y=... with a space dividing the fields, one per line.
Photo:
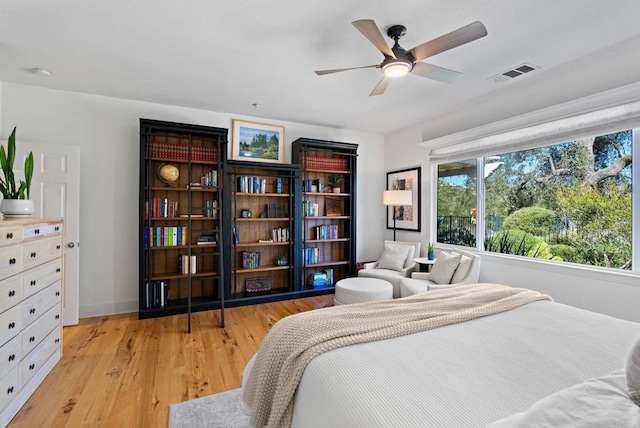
x=568 y=202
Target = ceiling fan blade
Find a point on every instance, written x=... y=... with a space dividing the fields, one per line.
x=370 y=30
x=450 y=40
x=380 y=87
x=431 y=71
x=338 y=70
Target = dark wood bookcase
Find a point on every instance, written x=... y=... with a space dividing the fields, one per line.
x=328 y=243
x=182 y=177
x=265 y=231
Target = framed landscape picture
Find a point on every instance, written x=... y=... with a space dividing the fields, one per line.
x=255 y=141
x=407 y=216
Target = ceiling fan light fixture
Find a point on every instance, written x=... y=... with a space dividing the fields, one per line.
x=396 y=69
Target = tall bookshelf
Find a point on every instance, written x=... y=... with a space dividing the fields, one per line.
x=264 y=231
x=329 y=218
x=181 y=198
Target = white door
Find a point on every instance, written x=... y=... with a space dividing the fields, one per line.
x=55 y=191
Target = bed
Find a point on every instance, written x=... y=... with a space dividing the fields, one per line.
x=489 y=370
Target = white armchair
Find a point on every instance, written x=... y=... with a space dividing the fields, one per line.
x=395 y=263
x=455 y=267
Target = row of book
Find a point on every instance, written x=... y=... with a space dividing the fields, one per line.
x=156 y=294
x=208 y=180
x=250 y=259
x=165 y=236
x=179 y=151
x=248 y=184
x=187 y=264
x=312 y=185
x=322 y=278
x=162 y=207
x=280 y=234
x=211 y=208
x=310 y=209
x=325 y=231
x=320 y=162
x=311 y=256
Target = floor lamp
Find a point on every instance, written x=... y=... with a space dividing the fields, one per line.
x=396 y=198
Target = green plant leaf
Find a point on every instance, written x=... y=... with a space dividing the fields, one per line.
x=28 y=173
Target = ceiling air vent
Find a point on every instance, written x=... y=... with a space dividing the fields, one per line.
x=514 y=72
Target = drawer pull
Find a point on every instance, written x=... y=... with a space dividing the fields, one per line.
x=32 y=339
x=57 y=316
x=57 y=228
x=12 y=325
x=58 y=270
x=32 y=366
x=10 y=235
x=33 y=282
x=58 y=340
x=12 y=357
x=57 y=293
x=57 y=247
x=37 y=231
x=33 y=254
x=12 y=293
x=32 y=311
x=12 y=261
x=10 y=390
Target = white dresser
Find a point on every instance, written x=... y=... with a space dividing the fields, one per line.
x=31 y=284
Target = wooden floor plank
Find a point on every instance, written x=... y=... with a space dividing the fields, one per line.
x=120 y=371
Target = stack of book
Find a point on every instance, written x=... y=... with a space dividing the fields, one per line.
x=248 y=184
x=161 y=207
x=281 y=234
x=310 y=209
x=165 y=236
x=326 y=231
x=319 y=279
x=207 y=239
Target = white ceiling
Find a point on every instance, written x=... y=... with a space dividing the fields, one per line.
x=226 y=55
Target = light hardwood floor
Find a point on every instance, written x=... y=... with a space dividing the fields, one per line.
x=119 y=371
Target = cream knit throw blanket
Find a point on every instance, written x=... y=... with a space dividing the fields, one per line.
x=295 y=340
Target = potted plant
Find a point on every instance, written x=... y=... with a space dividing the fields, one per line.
x=282 y=261
x=335 y=180
x=430 y=254
x=16 y=202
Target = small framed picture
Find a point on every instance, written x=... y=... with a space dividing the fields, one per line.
x=256 y=141
x=332 y=206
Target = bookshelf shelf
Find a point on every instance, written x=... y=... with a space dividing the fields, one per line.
x=174 y=214
x=329 y=221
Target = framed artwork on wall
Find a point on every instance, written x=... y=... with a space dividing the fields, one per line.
x=407 y=216
x=256 y=141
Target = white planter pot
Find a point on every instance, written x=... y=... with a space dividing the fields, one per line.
x=336 y=190
x=17 y=207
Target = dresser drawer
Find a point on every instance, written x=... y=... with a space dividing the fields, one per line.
x=54 y=229
x=33 y=335
x=10 y=292
x=39 y=303
x=10 y=236
x=10 y=324
x=40 y=251
x=33 y=362
x=41 y=277
x=9 y=261
x=10 y=356
x=35 y=230
x=9 y=387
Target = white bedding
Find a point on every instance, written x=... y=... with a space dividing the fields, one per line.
x=462 y=375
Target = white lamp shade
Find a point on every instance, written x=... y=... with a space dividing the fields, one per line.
x=397 y=197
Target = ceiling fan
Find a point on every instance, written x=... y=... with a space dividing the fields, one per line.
x=398 y=61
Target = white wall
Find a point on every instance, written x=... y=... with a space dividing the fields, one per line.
x=107 y=131
x=605 y=291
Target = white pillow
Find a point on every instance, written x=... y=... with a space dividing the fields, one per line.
x=393 y=257
x=462 y=270
x=633 y=371
x=444 y=267
x=412 y=250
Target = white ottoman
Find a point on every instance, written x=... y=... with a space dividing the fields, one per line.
x=360 y=289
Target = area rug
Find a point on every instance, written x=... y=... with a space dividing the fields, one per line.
x=223 y=410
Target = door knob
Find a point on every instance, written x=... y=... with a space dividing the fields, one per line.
x=71 y=245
